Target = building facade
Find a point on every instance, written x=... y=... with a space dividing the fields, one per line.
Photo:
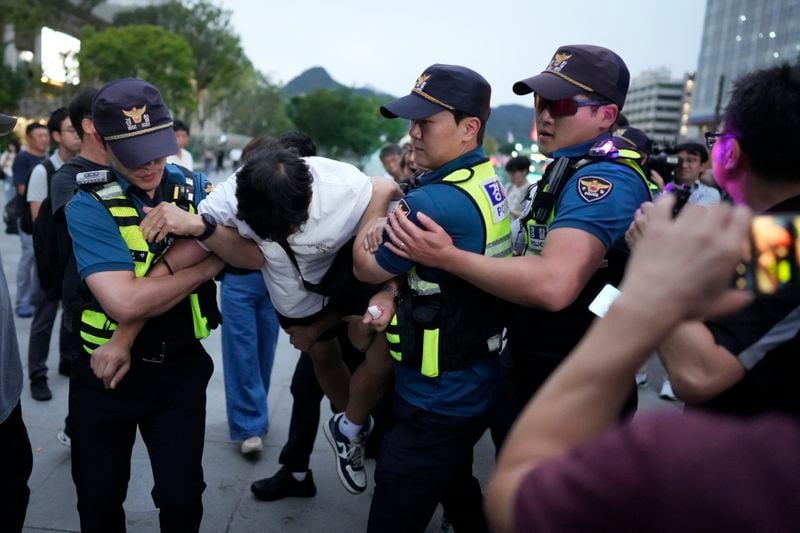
x=740 y=36
x=654 y=105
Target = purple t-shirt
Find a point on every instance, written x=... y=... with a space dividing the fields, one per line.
x=671 y=472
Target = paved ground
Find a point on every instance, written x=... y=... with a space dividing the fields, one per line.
x=229 y=505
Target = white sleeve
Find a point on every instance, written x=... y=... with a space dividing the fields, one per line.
x=37 y=186
x=221 y=204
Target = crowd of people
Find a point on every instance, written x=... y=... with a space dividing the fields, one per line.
x=428 y=308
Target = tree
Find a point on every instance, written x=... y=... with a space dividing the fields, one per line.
x=342 y=122
x=219 y=61
x=258 y=108
x=147 y=52
x=27 y=18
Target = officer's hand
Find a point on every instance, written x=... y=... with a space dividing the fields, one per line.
x=427 y=245
x=374 y=237
x=110 y=362
x=637 y=227
x=303 y=337
x=168 y=218
x=384 y=301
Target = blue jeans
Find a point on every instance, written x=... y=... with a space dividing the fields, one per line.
x=249 y=337
x=25 y=270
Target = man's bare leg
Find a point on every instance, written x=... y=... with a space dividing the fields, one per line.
x=372 y=377
x=332 y=374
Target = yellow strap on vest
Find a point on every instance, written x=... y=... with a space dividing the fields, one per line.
x=430 y=353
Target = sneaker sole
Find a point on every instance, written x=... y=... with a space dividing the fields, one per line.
x=327 y=430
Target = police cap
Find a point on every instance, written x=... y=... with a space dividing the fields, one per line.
x=580 y=68
x=443 y=87
x=131 y=117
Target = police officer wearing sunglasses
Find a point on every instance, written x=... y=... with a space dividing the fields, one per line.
x=574 y=232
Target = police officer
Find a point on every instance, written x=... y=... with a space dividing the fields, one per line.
x=446 y=334
x=574 y=232
x=153 y=374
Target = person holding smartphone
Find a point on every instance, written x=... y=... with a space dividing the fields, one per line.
x=747 y=363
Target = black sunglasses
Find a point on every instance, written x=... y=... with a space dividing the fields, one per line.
x=712 y=136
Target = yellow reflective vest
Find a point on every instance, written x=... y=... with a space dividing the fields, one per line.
x=96 y=328
x=439 y=327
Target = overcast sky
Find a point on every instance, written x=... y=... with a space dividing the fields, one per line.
x=387 y=45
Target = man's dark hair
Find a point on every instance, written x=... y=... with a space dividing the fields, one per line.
x=273 y=190
x=390 y=149
x=461 y=115
x=693 y=148
x=764 y=116
x=179 y=125
x=80 y=108
x=299 y=142
x=622 y=121
x=56 y=118
x=516 y=164
x=32 y=126
x=257 y=144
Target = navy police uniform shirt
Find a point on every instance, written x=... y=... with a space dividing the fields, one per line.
x=600 y=198
x=96 y=240
x=468 y=392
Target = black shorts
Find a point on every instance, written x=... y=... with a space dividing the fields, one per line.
x=352 y=299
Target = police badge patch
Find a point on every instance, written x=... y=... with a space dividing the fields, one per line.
x=592 y=188
x=402 y=209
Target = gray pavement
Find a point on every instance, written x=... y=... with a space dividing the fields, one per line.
x=229 y=505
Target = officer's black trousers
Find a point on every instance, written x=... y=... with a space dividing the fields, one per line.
x=306 y=396
x=426 y=459
x=16 y=463
x=531 y=370
x=167 y=402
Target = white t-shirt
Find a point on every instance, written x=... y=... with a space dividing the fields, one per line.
x=340 y=195
x=183 y=158
x=37 y=186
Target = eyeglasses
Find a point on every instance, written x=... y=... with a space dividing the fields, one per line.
x=563 y=108
x=712 y=136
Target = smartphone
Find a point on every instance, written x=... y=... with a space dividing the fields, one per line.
x=771 y=260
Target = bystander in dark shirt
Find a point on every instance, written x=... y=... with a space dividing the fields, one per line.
x=765 y=337
x=23 y=164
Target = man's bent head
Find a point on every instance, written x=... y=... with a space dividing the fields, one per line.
x=273 y=192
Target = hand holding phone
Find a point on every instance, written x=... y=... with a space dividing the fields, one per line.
x=771 y=262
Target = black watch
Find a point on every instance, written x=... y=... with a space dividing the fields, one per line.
x=210 y=224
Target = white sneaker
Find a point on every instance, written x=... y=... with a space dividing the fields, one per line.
x=64 y=439
x=666 y=391
x=641 y=379
x=252 y=445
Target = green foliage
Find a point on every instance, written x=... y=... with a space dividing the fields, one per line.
x=145 y=51
x=13 y=84
x=258 y=108
x=219 y=60
x=343 y=123
x=28 y=16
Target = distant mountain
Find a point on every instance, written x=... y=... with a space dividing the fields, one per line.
x=514 y=118
x=313 y=78
x=318 y=78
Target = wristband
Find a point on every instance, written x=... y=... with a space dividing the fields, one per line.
x=164 y=260
x=211 y=226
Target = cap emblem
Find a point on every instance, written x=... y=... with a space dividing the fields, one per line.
x=136 y=116
x=558 y=62
x=422 y=81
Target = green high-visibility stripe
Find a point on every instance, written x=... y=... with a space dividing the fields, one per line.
x=430 y=353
